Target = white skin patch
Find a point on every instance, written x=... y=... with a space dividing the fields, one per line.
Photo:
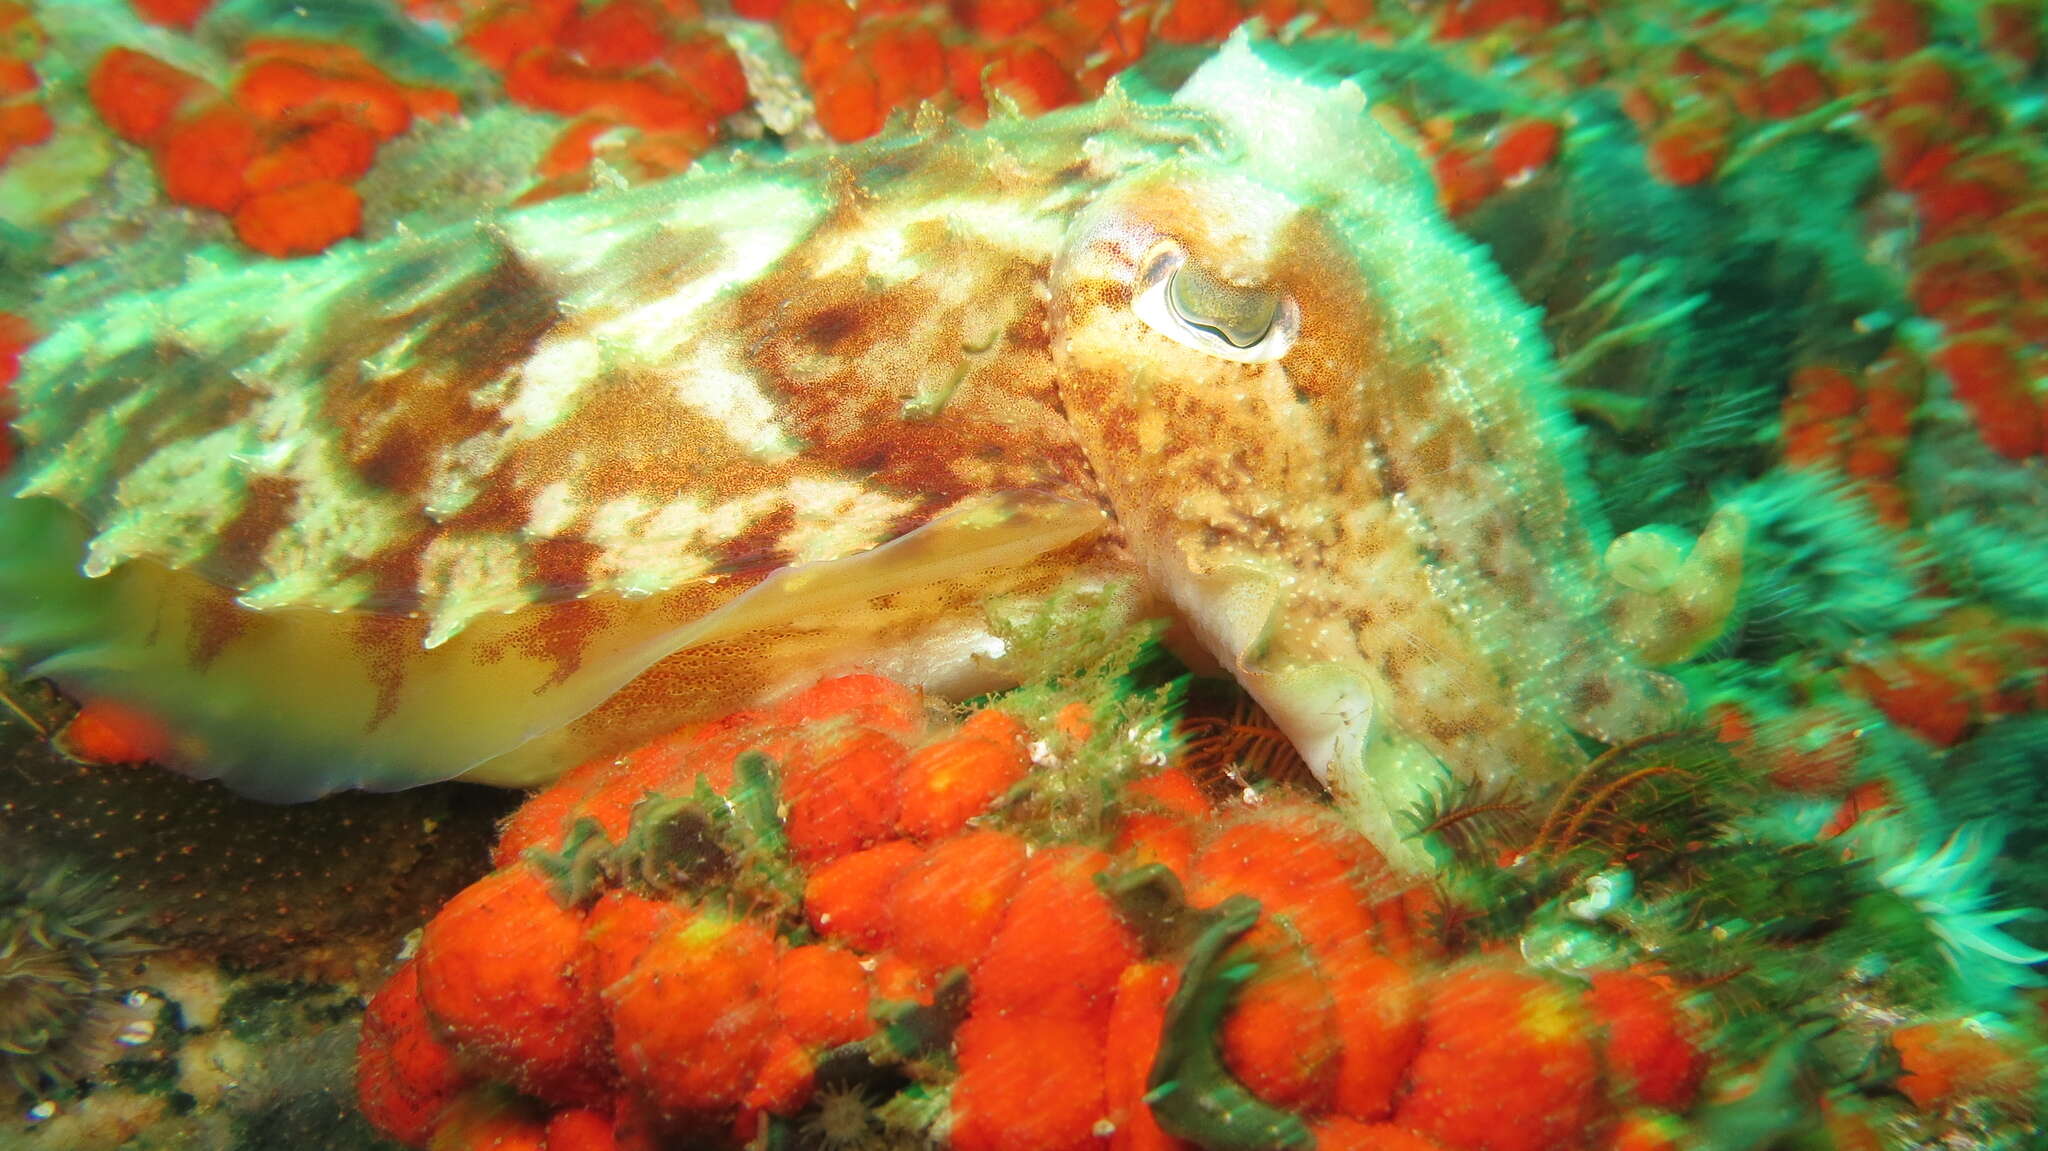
x=832 y=515
x=554 y=509
x=336 y=523
x=173 y=505
x=460 y=470
x=663 y=331
x=549 y=381
x=651 y=548
x=712 y=383
x=466 y=576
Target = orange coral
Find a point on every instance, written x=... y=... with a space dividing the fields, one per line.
x=1173 y=791
x=821 y=996
x=138 y=95
x=1507 y=1064
x=331 y=148
x=202 y=157
x=683 y=1019
x=849 y=899
x=1061 y=945
x=842 y=796
x=1524 y=147
x=580 y=1130
x=1984 y=368
x=1945 y=1060
x=280 y=150
x=1280 y=1038
x=787 y=1074
x=1649 y=1044
x=1143 y=991
x=15 y=338
x=107 y=732
x=1299 y=864
x=1466 y=177
x=947 y=783
x=1650 y=1131
x=543 y=819
x=405 y=1076
x=1378 y=1015
x=1146 y=838
x=497 y=975
x=1339 y=1133
x=691 y=1022
x=1027 y=1084
x=619 y=928
x=946 y=909
x=23 y=124
x=1688 y=148
x=172 y=13
x=299 y=220
x=866 y=700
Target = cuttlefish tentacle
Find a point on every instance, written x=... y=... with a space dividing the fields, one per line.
x=1667 y=599
x=488 y=501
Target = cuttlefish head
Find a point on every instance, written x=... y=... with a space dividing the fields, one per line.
x=1251 y=341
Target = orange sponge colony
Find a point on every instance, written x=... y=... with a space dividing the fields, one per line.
x=825 y=914
x=497 y=975
x=1507 y=1064
x=405 y=1075
x=24 y=120
x=279 y=148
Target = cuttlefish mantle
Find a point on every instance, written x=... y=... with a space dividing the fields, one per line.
x=487 y=501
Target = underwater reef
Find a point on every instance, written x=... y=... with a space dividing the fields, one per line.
x=1620 y=729
x=1074 y=918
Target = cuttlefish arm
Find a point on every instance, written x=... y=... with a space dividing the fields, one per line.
x=1669 y=599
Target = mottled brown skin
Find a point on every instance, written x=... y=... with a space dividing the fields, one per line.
x=492 y=500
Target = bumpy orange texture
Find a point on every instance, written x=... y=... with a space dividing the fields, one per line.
x=1507 y=1064
x=497 y=974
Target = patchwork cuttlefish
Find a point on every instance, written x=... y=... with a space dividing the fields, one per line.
x=484 y=502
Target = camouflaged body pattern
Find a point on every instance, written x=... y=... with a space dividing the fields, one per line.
x=490 y=499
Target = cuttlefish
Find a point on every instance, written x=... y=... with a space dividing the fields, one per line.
x=486 y=501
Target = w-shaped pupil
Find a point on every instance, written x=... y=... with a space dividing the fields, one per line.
x=1239 y=316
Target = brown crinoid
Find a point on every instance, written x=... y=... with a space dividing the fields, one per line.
x=64 y=940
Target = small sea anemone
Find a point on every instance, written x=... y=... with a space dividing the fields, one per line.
x=1950 y=884
x=63 y=940
x=842 y=1118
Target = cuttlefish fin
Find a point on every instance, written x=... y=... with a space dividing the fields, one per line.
x=1009 y=529
x=293 y=703
x=914 y=609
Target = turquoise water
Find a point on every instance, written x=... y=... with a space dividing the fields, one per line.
x=1579 y=468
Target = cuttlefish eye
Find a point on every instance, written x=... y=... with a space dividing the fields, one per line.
x=1192 y=306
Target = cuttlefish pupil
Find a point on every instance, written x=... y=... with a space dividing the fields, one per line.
x=1242 y=316
x=1187 y=303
